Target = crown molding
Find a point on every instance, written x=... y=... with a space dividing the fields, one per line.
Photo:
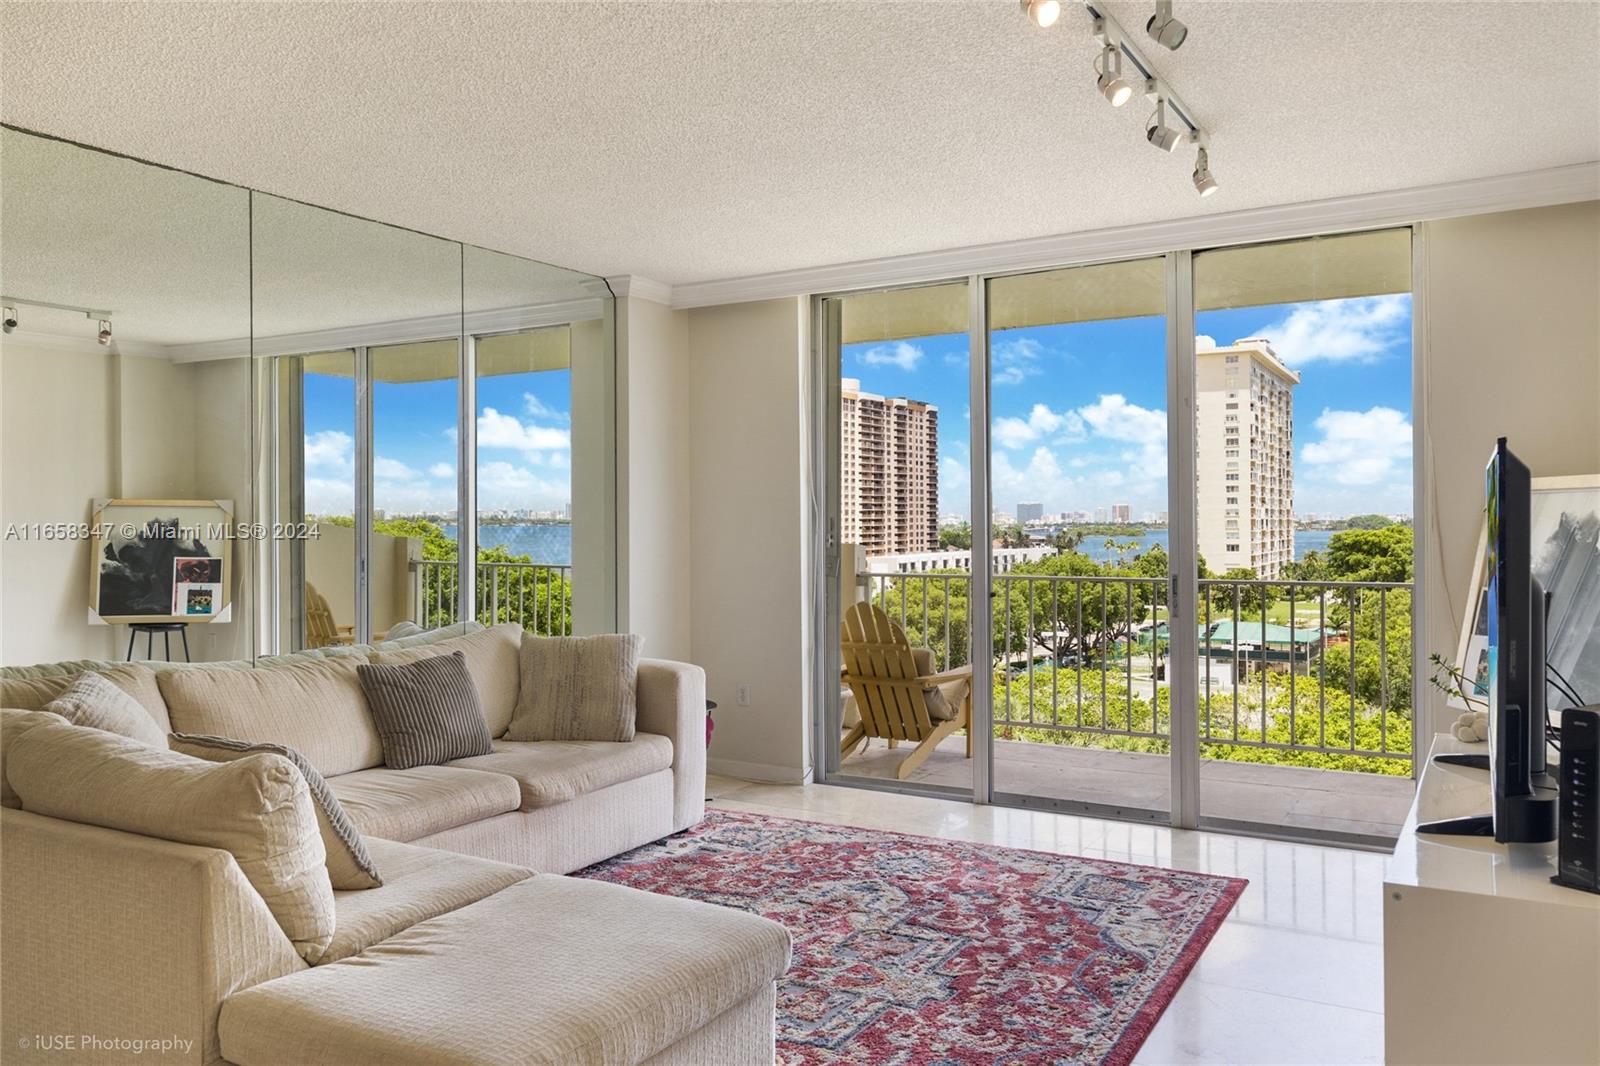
x=1508 y=192
x=84 y=342
x=643 y=288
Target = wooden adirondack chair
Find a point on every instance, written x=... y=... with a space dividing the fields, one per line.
x=321 y=629
x=895 y=700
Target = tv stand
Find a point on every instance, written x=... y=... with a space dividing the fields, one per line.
x=1469 y=924
x=1472 y=825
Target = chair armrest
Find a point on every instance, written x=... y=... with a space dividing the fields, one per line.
x=672 y=703
x=118 y=935
x=955 y=673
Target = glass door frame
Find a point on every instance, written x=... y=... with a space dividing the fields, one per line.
x=1183 y=659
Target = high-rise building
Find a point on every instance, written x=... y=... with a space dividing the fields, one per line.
x=1100 y=515
x=1122 y=513
x=1244 y=471
x=1029 y=512
x=889 y=472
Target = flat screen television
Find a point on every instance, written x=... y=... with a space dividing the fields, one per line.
x=1524 y=796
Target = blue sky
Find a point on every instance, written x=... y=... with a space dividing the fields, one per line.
x=1079 y=410
x=524 y=443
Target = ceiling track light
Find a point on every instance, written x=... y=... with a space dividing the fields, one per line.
x=1165 y=30
x=1204 y=183
x=1113 y=86
x=1042 y=13
x=10 y=321
x=1158 y=133
x=104 y=336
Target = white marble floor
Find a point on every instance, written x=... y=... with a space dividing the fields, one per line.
x=1295 y=974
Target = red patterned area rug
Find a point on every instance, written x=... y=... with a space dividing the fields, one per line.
x=916 y=950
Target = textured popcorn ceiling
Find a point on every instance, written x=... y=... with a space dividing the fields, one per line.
x=693 y=141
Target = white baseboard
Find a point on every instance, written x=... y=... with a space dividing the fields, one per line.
x=759 y=771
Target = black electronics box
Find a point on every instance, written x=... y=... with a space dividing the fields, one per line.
x=1578 y=823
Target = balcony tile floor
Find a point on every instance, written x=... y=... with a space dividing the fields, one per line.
x=1370 y=806
x=1295 y=974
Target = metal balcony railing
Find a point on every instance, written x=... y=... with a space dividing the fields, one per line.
x=536 y=596
x=1319 y=667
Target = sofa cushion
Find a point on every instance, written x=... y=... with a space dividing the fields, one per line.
x=257 y=808
x=430 y=636
x=577 y=688
x=419 y=883
x=13 y=723
x=554 y=771
x=410 y=804
x=93 y=702
x=350 y=866
x=316 y=708
x=491 y=656
x=31 y=688
x=427 y=712
x=549 y=970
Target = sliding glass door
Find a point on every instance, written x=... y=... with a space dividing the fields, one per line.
x=1078 y=478
x=1171 y=540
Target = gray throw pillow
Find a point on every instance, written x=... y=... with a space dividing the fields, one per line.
x=577 y=688
x=349 y=865
x=426 y=712
x=95 y=703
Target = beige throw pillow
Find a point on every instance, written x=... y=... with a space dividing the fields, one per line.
x=96 y=703
x=577 y=688
x=258 y=808
x=349 y=865
x=13 y=723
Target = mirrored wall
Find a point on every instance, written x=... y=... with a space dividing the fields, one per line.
x=233 y=424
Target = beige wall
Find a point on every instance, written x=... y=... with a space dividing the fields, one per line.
x=749 y=576
x=76 y=425
x=654 y=498
x=1512 y=342
x=58 y=451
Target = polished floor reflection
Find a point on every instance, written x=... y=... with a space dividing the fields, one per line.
x=1295 y=974
x=1293 y=797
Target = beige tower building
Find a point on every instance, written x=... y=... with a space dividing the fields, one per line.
x=1244 y=474
x=889 y=472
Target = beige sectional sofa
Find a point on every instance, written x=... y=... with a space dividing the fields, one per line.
x=471 y=951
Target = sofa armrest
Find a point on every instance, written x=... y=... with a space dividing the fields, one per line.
x=114 y=936
x=672 y=702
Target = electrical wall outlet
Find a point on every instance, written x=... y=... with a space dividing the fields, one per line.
x=744 y=695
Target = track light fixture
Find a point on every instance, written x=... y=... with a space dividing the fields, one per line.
x=1164 y=29
x=1157 y=132
x=1042 y=13
x=104 y=336
x=10 y=321
x=1204 y=183
x=1113 y=86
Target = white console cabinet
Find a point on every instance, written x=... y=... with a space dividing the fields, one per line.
x=1484 y=960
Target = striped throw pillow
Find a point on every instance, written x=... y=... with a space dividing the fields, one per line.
x=426 y=712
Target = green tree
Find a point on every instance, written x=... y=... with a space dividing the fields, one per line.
x=1370 y=554
x=956 y=537
x=1367 y=521
x=1377 y=649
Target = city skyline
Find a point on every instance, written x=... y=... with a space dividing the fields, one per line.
x=1079 y=409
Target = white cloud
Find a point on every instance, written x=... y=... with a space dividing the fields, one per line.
x=326 y=495
x=536 y=408
x=1041 y=424
x=900 y=354
x=1371 y=447
x=329 y=449
x=509 y=433
x=1203 y=343
x=386 y=469
x=441 y=470
x=1113 y=417
x=506 y=485
x=1359 y=329
x=1015 y=360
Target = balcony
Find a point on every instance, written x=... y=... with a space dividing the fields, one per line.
x=1305 y=694
x=536 y=596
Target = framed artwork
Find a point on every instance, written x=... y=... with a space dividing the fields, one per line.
x=161 y=561
x=1565 y=551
